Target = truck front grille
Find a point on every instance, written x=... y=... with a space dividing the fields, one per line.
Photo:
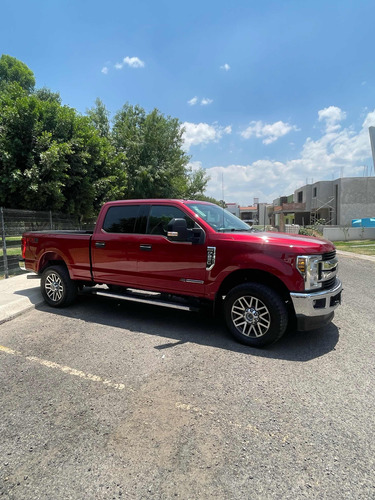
x=329 y=255
x=328 y=270
x=326 y=285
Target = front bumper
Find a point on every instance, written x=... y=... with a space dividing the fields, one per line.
x=314 y=309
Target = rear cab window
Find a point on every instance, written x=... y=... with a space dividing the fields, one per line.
x=126 y=219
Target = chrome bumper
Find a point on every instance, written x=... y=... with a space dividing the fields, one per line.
x=317 y=303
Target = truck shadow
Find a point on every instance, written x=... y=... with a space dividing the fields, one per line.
x=198 y=328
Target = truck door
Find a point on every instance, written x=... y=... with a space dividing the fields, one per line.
x=115 y=249
x=174 y=267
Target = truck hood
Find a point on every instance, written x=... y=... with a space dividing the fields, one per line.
x=289 y=242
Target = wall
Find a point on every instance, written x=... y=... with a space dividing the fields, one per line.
x=348 y=233
x=306 y=197
x=233 y=208
x=357 y=199
x=324 y=193
x=262 y=214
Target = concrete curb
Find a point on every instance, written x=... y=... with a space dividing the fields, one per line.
x=18 y=295
x=371 y=258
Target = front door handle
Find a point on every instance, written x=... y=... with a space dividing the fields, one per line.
x=145 y=248
x=99 y=244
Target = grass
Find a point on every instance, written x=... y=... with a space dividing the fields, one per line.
x=11 y=251
x=13 y=244
x=364 y=247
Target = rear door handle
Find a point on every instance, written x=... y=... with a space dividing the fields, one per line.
x=145 y=248
x=99 y=244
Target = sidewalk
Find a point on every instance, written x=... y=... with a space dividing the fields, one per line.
x=17 y=295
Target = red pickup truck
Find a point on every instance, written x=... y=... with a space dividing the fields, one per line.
x=186 y=254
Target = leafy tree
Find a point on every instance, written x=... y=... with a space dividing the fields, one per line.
x=13 y=70
x=221 y=203
x=99 y=117
x=45 y=94
x=156 y=163
x=53 y=158
x=196 y=184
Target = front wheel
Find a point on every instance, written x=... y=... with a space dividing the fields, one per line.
x=57 y=288
x=255 y=314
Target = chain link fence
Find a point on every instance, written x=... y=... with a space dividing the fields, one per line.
x=15 y=222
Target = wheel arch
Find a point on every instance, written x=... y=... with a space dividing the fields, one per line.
x=243 y=276
x=49 y=259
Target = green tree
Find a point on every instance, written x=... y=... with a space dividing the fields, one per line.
x=99 y=117
x=156 y=163
x=13 y=70
x=196 y=184
x=52 y=158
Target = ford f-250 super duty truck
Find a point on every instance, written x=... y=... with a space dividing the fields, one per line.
x=185 y=254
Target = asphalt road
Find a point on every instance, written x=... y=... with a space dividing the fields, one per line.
x=106 y=400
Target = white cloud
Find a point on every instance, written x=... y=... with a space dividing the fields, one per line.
x=225 y=67
x=205 y=101
x=133 y=62
x=321 y=159
x=203 y=133
x=105 y=70
x=193 y=101
x=268 y=132
x=331 y=115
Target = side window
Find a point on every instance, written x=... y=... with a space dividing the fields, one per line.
x=121 y=219
x=160 y=216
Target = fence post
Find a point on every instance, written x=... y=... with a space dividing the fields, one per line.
x=5 y=259
x=50 y=219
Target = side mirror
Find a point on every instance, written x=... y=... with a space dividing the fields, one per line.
x=177 y=230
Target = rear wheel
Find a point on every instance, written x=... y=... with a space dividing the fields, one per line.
x=57 y=288
x=255 y=314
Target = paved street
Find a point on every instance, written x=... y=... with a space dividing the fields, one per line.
x=115 y=400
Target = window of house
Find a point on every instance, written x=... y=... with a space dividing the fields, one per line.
x=124 y=219
x=300 y=196
x=160 y=217
x=315 y=190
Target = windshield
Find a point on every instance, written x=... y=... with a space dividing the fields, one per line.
x=218 y=218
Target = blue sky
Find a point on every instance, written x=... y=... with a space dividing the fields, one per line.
x=271 y=94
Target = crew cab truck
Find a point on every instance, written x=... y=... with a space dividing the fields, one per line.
x=185 y=254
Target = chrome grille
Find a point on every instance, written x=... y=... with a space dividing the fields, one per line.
x=326 y=285
x=328 y=270
x=329 y=255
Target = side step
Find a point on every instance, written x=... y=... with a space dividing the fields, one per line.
x=143 y=297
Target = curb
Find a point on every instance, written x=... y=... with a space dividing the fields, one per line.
x=18 y=295
x=371 y=258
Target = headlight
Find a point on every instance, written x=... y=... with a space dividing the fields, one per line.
x=308 y=266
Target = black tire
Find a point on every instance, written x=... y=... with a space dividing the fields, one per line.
x=255 y=314
x=57 y=288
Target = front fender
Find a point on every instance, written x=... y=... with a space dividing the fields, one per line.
x=280 y=266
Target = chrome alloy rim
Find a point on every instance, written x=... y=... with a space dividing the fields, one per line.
x=250 y=316
x=54 y=287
